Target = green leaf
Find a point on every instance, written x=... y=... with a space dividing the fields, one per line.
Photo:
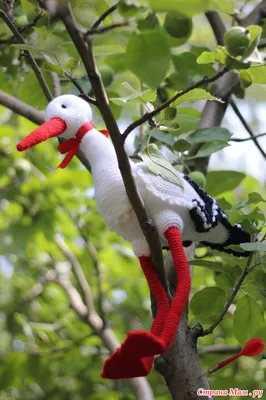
x=258 y=74
x=186 y=64
x=71 y=64
x=208 y=302
x=148 y=52
x=209 y=148
x=163 y=137
x=49 y=66
x=220 y=55
x=36 y=50
x=145 y=96
x=245 y=79
x=182 y=145
x=255 y=33
x=157 y=164
x=212 y=265
x=188 y=7
x=248 y=318
x=195 y=95
x=252 y=215
x=257 y=246
x=253 y=198
x=218 y=182
x=209 y=134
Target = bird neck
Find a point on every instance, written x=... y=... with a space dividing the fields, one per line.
x=99 y=151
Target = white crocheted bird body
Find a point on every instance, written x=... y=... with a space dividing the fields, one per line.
x=197 y=215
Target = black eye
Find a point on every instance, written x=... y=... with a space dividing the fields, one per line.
x=63 y=106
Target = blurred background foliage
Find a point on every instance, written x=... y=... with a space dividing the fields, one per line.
x=46 y=350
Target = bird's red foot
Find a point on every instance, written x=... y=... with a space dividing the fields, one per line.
x=117 y=367
x=140 y=344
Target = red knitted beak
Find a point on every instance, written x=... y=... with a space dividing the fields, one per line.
x=51 y=128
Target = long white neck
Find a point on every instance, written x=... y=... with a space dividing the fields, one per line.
x=100 y=152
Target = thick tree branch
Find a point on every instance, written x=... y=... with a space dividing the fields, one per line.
x=21 y=108
x=32 y=61
x=64 y=13
x=149 y=115
x=219 y=349
x=248 y=128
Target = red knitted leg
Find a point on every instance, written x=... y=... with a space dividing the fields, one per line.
x=117 y=367
x=141 y=343
x=128 y=361
x=183 y=286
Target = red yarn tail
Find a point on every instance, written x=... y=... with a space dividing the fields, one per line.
x=183 y=286
x=158 y=293
x=251 y=349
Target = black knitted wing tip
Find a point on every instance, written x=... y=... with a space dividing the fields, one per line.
x=235 y=236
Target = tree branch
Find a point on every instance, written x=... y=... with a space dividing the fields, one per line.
x=104 y=16
x=81 y=278
x=32 y=61
x=248 y=128
x=230 y=300
x=149 y=115
x=246 y=139
x=21 y=108
x=106 y=28
x=219 y=349
x=81 y=91
x=64 y=13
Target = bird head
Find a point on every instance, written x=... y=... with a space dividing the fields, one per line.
x=64 y=116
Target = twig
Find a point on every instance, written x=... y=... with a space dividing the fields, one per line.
x=247 y=127
x=106 y=28
x=64 y=13
x=148 y=115
x=22 y=29
x=81 y=91
x=70 y=256
x=104 y=16
x=31 y=24
x=32 y=61
x=230 y=300
x=246 y=139
x=219 y=349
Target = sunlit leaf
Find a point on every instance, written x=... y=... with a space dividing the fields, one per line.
x=160 y=166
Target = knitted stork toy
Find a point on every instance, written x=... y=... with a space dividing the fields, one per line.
x=176 y=211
